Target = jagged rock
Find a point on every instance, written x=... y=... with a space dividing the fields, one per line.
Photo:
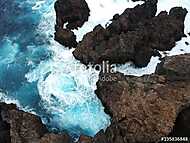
x=71 y=14
x=130 y=18
x=85 y=139
x=21 y=127
x=114 y=135
x=66 y=38
x=165 y=29
x=55 y=138
x=175 y=67
x=135 y=35
x=111 y=135
x=111 y=43
x=144 y=109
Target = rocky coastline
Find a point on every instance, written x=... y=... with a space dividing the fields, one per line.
x=17 y=126
x=70 y=14
x=136 y=35
x=143 y=109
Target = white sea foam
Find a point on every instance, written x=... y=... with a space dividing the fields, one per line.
x=6 y=99
x=101 y=12
x=38 y=5
x=66 y=89
x=180 y=47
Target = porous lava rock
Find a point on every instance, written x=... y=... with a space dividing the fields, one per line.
x=70 y=14
x=17 y=126
x=146 y=108
x=135 y=35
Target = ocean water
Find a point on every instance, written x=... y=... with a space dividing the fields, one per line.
x=42 y=77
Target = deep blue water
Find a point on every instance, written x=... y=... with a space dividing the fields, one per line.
x=37 y=73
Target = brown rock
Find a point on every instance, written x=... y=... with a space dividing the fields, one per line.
x=130 y=18
x=66 y=38
x=135 y=35
x=70 y=14
x=73 y=12
x=144 y=109
x=20 y=127
x=55 y=138
x=85 y=139
x=25 y=128
x=175 y=67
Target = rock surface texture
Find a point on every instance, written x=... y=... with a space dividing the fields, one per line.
x=70 y=14
x=135 y=35
x=144 y=109
x=20 y=127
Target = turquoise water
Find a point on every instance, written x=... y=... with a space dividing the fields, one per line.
x=41 y=76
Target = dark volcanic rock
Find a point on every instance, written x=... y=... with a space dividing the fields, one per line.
x=20 y=127
x=70 y=14
x=112 y=43
x=129 y=19
x=175 y=67
x=55 y=138
x=73 y=12
x=144 y=109
x=4 y=131
x=85 y=139
x=66 y=38
x=135 y=35
x=111 y=135
x=164 y=29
